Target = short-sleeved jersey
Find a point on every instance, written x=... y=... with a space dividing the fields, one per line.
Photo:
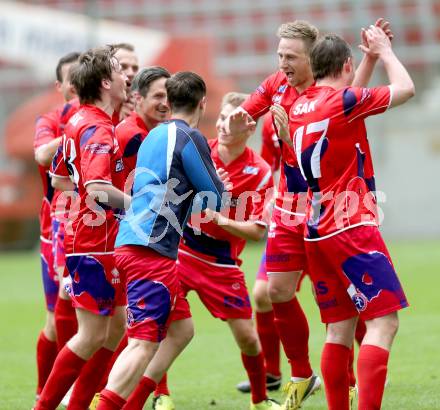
x=276 y=89
x=273 y=90
x=130 y=133
x=252 y=194
x=332 y=149
x=48 y=127
x=270 y=146
x=92 y=154
x=173 y=165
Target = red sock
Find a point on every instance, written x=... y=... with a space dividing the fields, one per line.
x=122 y=345
x=65 y=370
x=65 y=321
x=270 y=341
x=256 y=372
x=351 y=376
x=89 y=380
x=361 y=329
x=334 y=365
x=110 y=401
x=46 y=355
x=372 y=372
x=140 y=395
x=162 y=387
x=293 y=329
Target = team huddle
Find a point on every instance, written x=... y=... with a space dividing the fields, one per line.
x=140 y=208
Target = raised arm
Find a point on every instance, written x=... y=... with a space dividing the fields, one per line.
x=400 y=81
x=365 y=69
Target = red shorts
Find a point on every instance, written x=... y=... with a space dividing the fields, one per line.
x=48 y=274
x=221 y=289
x=262 y=272
x=58 y=244
x=155 y=298
x=352 y=274
x=285 y=251
x=96 y=285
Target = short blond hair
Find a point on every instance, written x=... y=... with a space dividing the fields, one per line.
x=234 y=98
x=299 y=29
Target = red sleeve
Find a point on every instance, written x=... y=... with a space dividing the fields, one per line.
x=58 y=166
x=46 y=129
x=259 y=102
x=359 y=103
x=96 y=151
x=262 y=204
x=270 y=146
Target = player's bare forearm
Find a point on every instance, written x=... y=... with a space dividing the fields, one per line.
x=45 y=153
x=248 y=230
x=62 y=184
x=109 y=194
x=364 y=71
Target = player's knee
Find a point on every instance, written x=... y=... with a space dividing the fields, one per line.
x=143 y=349
x=389 y=325
x=249 y=343
x=279 y=294
x=262 y=300
x=341 y=332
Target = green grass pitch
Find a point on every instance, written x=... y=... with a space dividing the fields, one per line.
x=204 y=377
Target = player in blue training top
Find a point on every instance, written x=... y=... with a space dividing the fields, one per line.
x=173 y=166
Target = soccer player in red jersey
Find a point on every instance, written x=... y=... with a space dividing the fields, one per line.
x=128 y=59
x=285 y=256
x=47 y=138
x=350 y=266
x=285 y=253
x=96 y=168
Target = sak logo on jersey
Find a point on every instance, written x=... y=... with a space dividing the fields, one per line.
x=250 y=170
x=304 y=108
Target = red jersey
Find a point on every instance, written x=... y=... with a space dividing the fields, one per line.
x=130 y=133
x=252 y=193
x=48 y=127
x=92 y=154
x=332 y=148
x=276 y=89
x=270 y=146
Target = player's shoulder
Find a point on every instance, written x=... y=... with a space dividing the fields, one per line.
x=193 y=135
x=275 y=82
x=126 y=127
x=48 y=118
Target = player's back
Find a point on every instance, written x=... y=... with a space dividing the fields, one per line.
x=173 y=165
x=329 y=136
